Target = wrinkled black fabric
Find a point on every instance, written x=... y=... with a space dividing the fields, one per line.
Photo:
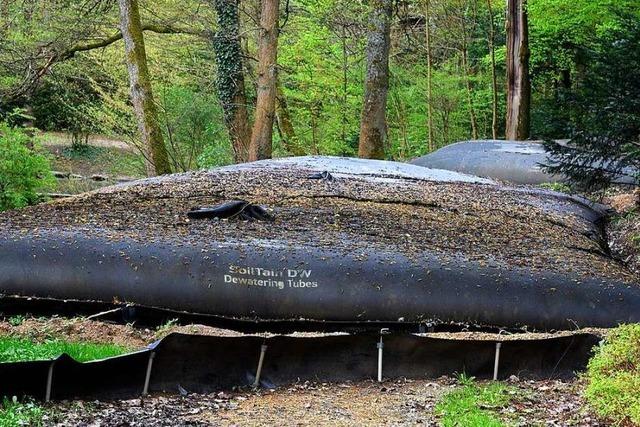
x=240 y=209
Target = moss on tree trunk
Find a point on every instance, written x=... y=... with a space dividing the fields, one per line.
x=262 y=133
x=373 y=123
x=141 y=93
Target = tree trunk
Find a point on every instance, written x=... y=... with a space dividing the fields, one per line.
x=401 y=118
x=373 y=125
x=494 y=78
x=313 y=111
x=261 y=136
x=345 y=86
x=283 y=120
x=427 y=31
x=230 y=77
x=141 y=93
x=518 y=83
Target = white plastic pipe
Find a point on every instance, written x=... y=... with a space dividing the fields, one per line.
x=147 y=377
x=263 y=350
x=380 y=347
x=496 y=362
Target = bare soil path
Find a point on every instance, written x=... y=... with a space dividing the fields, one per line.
x=63 y=138
x=367 y=403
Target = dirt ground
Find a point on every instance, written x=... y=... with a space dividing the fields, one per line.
x=80 y=329
x=392 y=403
x=63 y=138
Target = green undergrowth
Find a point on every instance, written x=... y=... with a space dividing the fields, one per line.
x=15 y=413
x=613 y=377
x=556 y=186
x=473 y=404
x=20 y=349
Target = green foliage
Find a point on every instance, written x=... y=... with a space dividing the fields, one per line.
x=323 y=78
x=14 y=413
x=217 y=153
x=23 y=171
x=17 y=320
x=613 y=376
x=556 y=186
x=164 y=329
x=193 y=128
x=20 y=349
x=562 y=45
x=321 y=70
x=605 y=126
x=471 y=404
x=70 y=100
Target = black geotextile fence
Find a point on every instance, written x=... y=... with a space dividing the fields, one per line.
x=199 y=363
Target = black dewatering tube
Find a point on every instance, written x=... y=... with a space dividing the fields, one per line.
x=273 y=272
x=340 y=287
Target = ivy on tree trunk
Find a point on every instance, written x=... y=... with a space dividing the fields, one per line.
x=230 y=77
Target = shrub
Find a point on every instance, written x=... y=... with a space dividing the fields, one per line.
x=613 y=376
x=193 y=128
x=23 y=171
x=605 y=128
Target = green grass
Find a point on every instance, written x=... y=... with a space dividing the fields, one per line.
x=164 y=329
x=16 y=320
x=21 y=349
x=613 y=376
x=14 y=413
x=472 y=404
x=113 y=161
x=556 y=186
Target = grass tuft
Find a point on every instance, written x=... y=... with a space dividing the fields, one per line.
x=613 y=376
x=472 y=404
x=556 y=186
x=14 y=413
x=20 y=349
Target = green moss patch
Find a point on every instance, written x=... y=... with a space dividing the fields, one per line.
x=613 y=376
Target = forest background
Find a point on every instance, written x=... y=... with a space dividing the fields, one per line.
x=62 y=69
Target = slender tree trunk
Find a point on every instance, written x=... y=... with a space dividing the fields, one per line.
x=230 y=78
x=345 y=85
x=401 y=117
x=467 y=80
x=518 y=83
x=373 y=124
x=427 y=26
x=141 y=93
x=313 y=110
x=285 y=125
x=261 y=137
x=494 y=77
